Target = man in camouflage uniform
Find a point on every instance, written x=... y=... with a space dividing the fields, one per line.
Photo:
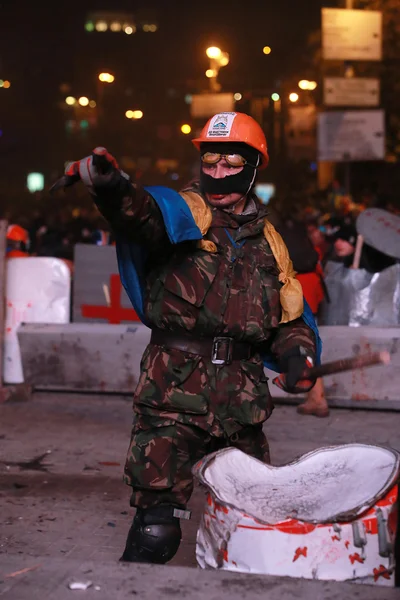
x=214 y=308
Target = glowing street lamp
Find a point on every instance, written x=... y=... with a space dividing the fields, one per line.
x=70 y=100
x=304 y=84
x=293 y=97
x=224 y=59
x=134 y=114
x=267 y=50
x=275 y=97
x=83 y=101
x=186 y=129
x=218 y=59
x=213 y=52
x=101 y=26
x=106 y=77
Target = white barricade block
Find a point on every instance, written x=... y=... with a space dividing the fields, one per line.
x=329 y=515
x=37 y=291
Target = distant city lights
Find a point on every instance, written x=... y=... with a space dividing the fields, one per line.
x=304 y=84
x=115 y=26
x=106 y=77
x=293 y=97
x=211 y=73
x=237 y=96
x=101 y=26
x=186 y=129
x=128 y=29
x=5 y=84
x=134 y=114
x=267 y=50
x=275 y=97
x=213 y=52
x=83 y=101
x=70 y=100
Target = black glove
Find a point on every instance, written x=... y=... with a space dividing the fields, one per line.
x=98 y=172
x=293 y=365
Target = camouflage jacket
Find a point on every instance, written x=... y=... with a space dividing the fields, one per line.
x=233 y=292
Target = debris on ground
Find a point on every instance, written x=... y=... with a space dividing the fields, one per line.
x=22 y=571
x=80 y=585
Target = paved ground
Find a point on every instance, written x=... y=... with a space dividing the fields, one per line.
x=62 y=500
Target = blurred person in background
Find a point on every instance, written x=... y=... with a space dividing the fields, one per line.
x=17 y=242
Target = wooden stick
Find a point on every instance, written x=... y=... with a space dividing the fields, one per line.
x=106 y=292
x=3 y=247
x=347 y=364
x=357 y=252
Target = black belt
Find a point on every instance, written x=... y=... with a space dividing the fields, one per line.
x=221 y=350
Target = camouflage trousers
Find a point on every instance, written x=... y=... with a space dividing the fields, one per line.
x=184 y=408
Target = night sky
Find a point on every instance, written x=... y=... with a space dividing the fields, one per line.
x=44 y=45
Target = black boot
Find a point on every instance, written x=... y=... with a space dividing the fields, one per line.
x=154 y=536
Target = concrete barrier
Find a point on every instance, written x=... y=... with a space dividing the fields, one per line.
x=106 y=358
x=83 y=356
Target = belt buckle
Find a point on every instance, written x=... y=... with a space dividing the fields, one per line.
x=222 y=341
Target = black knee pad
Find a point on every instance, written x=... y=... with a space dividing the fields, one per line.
x=154 y=536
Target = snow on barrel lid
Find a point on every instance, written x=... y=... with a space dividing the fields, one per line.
x=329 y=484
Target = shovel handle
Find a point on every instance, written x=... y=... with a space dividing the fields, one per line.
x=347 y=364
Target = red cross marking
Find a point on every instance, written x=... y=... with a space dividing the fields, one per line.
x=114 y=313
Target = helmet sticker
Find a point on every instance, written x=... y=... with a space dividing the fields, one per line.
x=221 y=125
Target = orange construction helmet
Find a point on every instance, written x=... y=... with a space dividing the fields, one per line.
x=235 y=127
x=17 y=234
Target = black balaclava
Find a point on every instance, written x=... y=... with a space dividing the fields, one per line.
x=242 y=182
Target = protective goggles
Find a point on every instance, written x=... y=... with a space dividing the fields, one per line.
x=234 y=160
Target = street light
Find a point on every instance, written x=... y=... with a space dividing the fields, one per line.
x=238 y=96
x=224 y=59
x=106 y=77
x=186 y=129
x=214 y=52
x=218 y=59
x=134 y=114
x=304 y=84
x=70 y=100
x=101 y=26
x=83 y=101
x=293 y=97
x=275 y=97
x=267 y=50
